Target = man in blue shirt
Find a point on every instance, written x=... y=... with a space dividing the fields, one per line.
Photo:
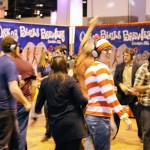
x=9 y=91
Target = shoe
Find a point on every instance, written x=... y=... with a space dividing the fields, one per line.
x=141 y=140
x=45 y=138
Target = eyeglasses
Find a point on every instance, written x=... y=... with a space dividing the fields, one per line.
x=107 y=50
x=126 y=55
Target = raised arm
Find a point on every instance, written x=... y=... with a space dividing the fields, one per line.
x=92 y=24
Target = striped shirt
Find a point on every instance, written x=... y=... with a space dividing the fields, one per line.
x=100 y=86
x=142 y=78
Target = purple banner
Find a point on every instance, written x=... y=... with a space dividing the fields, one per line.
x=134 y=35
x=34 y=38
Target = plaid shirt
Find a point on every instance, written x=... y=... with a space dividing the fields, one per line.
x=142 y=78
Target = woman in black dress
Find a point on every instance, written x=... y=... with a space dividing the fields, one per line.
x=65 y=103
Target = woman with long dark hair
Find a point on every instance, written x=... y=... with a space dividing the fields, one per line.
x=65 y=103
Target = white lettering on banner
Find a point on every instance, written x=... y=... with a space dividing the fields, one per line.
x=136 y=38
x=131 y=36
x=34 y=32
x=4 y=32
x=141 y=43
x=53 y=35
x=110 y=35
x=54 y=42
x=8 y=31
x=14 y=33
x=81 y=36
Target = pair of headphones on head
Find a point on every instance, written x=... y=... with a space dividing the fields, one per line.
x=46 y=56
x=95 y=52
x=63 y=49
x=14 y=46
x=132 y=55
x=64 y=52
x=71 y=61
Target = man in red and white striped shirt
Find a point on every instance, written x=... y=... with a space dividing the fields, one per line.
x=102 y=98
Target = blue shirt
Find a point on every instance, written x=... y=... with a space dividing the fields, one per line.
x=44 y=71
x=8 y=72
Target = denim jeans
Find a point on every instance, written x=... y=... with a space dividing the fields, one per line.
x=23 y=117
x=99 y=128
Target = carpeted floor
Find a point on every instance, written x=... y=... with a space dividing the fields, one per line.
x=125 y=140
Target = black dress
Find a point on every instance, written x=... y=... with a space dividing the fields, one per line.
x=65 y=102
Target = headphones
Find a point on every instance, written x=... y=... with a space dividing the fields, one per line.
x=132 y=54
x=46 y=56
x=95 y=52
x=71 y=61
x=14 y=46
x=63 y=49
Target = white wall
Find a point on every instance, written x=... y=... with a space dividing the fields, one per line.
x=107 y=8
x=69 y=12
x=147 y=7
x=38 y=20
x=138 y=8
x=112 y=8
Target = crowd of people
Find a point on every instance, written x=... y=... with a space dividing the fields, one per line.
x=78 y=94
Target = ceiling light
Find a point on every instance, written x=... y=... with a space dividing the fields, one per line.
x=41 y=15
x=38 y=12
x=18 y=17
x=39 y=5
x=5 y=14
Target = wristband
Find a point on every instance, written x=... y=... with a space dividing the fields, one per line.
x=125 y=118
x=26 y=103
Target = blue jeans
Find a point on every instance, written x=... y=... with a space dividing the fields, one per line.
x=99 y=128
x=23 y=117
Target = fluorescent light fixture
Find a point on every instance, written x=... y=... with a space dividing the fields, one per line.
x=39 y=5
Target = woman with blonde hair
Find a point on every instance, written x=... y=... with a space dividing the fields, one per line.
x=43 y=70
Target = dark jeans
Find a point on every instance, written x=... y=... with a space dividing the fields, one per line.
x=100 y=129
x=135 y=111
x=23 y=117
x=69 y=145
x=7 y=126
x=145 y=123
x=48 y=131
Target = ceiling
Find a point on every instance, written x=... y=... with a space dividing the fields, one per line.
x=31 y=8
